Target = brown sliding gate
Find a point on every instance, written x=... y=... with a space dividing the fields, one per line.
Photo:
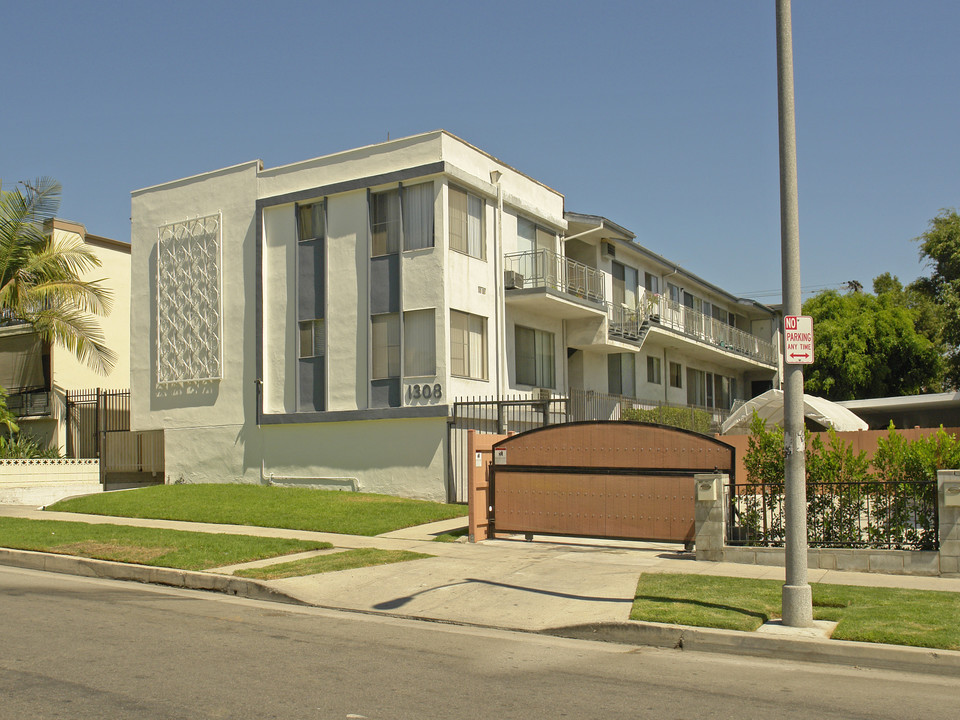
x=592 y=479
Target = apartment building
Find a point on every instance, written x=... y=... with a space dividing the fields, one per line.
x=312 y=323
x=37 y=374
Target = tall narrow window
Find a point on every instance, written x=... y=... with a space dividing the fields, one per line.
x=311 y=221
x=419 y=343
x=676 y=375
x=386 y=345
x=651 y=283
x=535 y=357
x=385 y=222
x=312 y=339
x=653 y=370
x=418 y=216
x=696 y=387
x=468 y=345
x=621 y=374
x=466 y=222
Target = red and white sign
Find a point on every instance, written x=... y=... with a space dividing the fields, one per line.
x=798 y=339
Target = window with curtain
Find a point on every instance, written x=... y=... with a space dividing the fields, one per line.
x=651 y=282
x=676 y=375
x=535 y=357
x=385 y=222
x=624 y=285
x=418 y=216
x=696 y=387
x=386 y=345
x=419 y=343
x=311 y=222
x=468 y=345
x=653 y=370
x=531 y=236
x=466 y=222
x=621 y=374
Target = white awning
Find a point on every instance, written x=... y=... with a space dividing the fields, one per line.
x=769 y=406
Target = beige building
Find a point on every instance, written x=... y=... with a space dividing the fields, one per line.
x=38 y=375
x=312 y=323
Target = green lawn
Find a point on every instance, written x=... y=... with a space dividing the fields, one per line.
x=294 y=508
x=145 y=546
x=924 y=618
x=346 y=560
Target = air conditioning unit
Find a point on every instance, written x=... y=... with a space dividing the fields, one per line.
x=541 y=394
x=608 y=250
x=512 y=280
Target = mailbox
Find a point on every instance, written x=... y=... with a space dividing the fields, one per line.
x=951 y=494
x=707 y=487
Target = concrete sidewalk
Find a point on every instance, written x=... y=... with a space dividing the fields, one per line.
x=564 y=586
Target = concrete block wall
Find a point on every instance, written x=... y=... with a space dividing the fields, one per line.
x=711 y=538
x=41 y=482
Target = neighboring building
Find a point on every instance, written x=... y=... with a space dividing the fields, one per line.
x=925 y=411
x=37 y=374
x=311 y=323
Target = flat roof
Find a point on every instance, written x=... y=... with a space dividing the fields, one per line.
x=906 y=402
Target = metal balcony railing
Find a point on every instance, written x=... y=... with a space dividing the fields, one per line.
x=655 y=310
x=546 y=269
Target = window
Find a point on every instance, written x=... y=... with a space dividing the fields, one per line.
x=468 y=345
x=676 y=375
x=674 y=292
x=534 y=355
x=621 y=374
x=651 y=283
x=385 y=222
x=624 y=285
x=311 y=222
x=386 y=345
x=419 y=343
x=418 y=216
x=312 y=338
x=466 y=223
x=531 y=236
x=653 y=370
x=696 y=387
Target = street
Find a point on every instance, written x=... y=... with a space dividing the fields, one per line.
x=85 y=648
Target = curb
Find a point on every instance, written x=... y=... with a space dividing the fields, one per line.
x=188 y=579
x=877 y=656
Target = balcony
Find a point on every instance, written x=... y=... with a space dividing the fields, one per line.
x=29 y=402
x=658 y=312
x=544 y=281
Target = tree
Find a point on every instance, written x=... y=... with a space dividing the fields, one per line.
x=869 y=346
x=940 y=247
x=41 y=277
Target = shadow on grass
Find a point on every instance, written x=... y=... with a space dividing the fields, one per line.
x=763 y=617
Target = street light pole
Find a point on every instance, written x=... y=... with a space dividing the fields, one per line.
x=797 y=603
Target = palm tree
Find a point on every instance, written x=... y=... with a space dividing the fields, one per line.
x=40 y=277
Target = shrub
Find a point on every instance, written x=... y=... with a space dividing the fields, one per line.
x=684 y=418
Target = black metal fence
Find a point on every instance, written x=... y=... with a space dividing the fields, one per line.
x=493 y=415
x=90 y=413
x=874 y=515
x=590 y=405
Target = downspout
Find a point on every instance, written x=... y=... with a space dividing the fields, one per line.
x=500 y=344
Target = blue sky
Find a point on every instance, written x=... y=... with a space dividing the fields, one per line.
x=661 y=116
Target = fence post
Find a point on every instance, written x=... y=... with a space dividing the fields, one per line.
x=948 y=497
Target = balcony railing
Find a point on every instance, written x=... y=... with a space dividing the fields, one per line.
x=546 y=269
x=659 y=311
x=24 y=402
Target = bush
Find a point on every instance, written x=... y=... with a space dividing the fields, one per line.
x=25 y=447
x=684 y=418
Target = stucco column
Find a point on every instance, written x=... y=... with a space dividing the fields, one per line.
x=709 y=493
x=948 y=495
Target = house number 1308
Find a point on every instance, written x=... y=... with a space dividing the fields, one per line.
x=415 y=392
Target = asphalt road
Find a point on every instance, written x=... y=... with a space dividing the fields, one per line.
x=81 y=648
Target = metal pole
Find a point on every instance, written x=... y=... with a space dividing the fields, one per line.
x=797 y=604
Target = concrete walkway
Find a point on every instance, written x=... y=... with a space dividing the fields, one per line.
x=558 y=585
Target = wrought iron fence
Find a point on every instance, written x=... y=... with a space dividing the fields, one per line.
x=516 y=413
x=592 y=405
x=874 y=515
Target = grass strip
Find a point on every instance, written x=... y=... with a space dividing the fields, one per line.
x=264 y=506
x=145 y=546
x=921 y=618
x=452 y=536
x=346 y=560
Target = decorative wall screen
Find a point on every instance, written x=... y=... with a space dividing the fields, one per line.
x=189 y=326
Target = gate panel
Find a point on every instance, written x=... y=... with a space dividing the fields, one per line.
x=603 y=479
